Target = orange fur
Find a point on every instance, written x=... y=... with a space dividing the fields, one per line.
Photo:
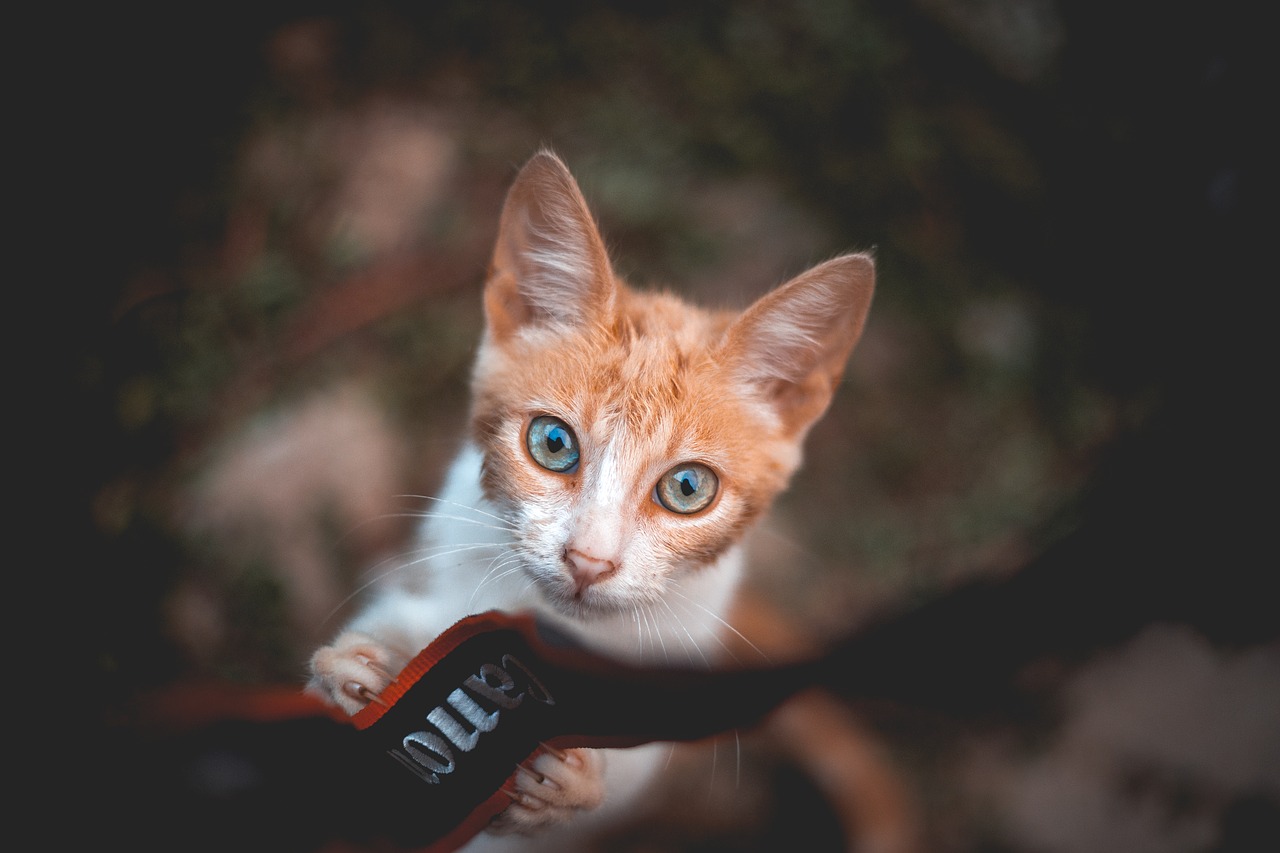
x=650 y=378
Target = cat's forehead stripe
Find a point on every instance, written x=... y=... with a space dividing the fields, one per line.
x=643 y=394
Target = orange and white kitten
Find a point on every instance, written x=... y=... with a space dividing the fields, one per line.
x=621 y=444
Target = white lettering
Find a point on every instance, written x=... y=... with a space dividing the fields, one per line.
x=452 y=728
x=429 y=754
x=495 y=684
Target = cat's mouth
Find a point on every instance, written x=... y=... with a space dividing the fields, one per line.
x=585 y=604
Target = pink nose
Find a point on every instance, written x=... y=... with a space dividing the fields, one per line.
x=586 y=569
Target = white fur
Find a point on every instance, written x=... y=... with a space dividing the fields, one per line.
x=464 y=564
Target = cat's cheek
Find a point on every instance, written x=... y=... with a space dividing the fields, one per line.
x=689 y=543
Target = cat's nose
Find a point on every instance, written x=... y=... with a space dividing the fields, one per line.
x=586 y=569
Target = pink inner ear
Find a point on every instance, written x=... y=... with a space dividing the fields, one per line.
x=549 y=266
x=791 y=346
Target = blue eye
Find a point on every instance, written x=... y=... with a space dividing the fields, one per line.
x=687 y=488
x=552 y=444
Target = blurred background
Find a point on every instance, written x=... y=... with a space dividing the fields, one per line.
x=1044 y=471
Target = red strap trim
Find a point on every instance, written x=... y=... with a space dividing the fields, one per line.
x=433 y=654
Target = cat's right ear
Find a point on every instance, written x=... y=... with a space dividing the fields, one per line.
x=550 y=267
x=790 y=347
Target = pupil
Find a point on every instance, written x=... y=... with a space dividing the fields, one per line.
x=687 y=486
x=554 y=442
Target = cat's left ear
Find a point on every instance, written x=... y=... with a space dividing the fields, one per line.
x=791 y=346
x=550 y=266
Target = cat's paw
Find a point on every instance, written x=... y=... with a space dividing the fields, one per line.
x=550 y=789
x=351 y=672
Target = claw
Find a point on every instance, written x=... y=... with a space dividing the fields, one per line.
x=541 y=778
x=533 y=804
x=558 y=753
x=366 y=694
x=380 y=670
x=537 y=777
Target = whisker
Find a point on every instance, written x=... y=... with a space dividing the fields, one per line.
x=505 y=524
x=508 y=563
x=635 y=617
x=528 y=586
x=431 y=552
x=376 y=578
x=506 y=527
x=460 y=505
x=401 y=565
x=717 y=617
x=414 y=513
x=497 y=560
x=445 y=548
x=648 y=631
x=506 y=574
x=685 y=629
x=496 y=564
x=436 y=552
x=658 y=632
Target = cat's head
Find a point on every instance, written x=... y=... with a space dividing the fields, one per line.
x=632 y=438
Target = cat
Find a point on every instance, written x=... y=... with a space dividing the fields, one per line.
x=621 y=444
